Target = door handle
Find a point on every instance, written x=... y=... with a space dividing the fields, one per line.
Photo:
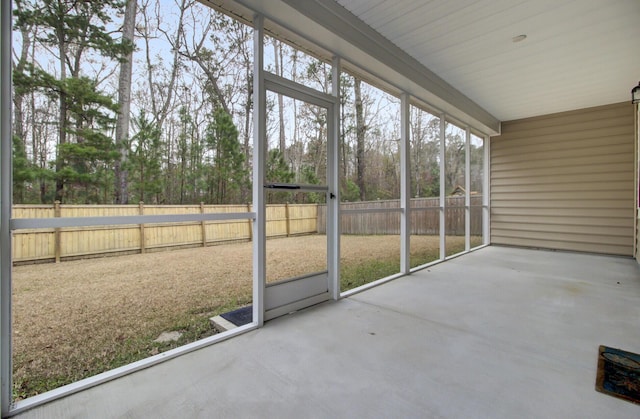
x=281 y=186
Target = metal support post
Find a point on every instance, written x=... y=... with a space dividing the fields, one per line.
x=467 y=189
x=405 y=185
x=333 y=181
x=259 y=155
x=443 y=186
x=6 y=193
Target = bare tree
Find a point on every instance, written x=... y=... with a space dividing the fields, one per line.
x=207 y=59
x=161 y=93
x=425 y=146
x=360 y=137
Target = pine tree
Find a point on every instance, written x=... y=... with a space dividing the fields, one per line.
x=24 y=173
x=72 y=30
x=308 y=176
x=227 y=175
x=278 y=171
x=143 y=164
x=88 y=160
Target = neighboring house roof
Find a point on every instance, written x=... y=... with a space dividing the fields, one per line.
x=460 y=191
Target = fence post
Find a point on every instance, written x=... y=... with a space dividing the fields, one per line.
x=142 y=240
x=250 y=223
x=57 y=235
x=203 y=226
x=286 y=216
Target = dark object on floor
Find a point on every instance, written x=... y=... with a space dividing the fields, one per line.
x=618 y=373
x=239 y=317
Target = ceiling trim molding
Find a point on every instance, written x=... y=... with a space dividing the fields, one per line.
x=343 y=23
x=333 y=28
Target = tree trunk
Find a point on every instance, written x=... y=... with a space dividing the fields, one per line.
x=277 y=57
x=124 y=103
x=18 y=95
x=244 y=191
x=18 y=102
x=294 y=71
x=62 y=118
x=360 y=131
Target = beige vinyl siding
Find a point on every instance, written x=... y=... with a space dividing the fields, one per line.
x=566 y=181
x=636 y=142
x=637 y=255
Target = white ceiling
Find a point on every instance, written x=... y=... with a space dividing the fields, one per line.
x=577 y=54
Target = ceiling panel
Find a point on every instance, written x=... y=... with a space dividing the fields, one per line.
x=577 y=54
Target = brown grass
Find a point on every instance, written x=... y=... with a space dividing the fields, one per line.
x=76 y=319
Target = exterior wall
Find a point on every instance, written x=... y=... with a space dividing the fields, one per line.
x=636 y=130
x=566 y=181
x=637 y=239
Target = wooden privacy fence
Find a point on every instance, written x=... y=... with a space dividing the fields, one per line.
x=57 y=244
x=425 y=217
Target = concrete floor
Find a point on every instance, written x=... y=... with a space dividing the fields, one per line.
x=499 y=333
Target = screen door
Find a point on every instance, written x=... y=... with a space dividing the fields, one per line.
x=298 y=131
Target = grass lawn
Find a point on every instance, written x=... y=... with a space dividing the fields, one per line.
x=76 y=319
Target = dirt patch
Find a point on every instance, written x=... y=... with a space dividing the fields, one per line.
x=79 y=318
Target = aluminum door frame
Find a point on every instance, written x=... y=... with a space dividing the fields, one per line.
x=294 y=294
